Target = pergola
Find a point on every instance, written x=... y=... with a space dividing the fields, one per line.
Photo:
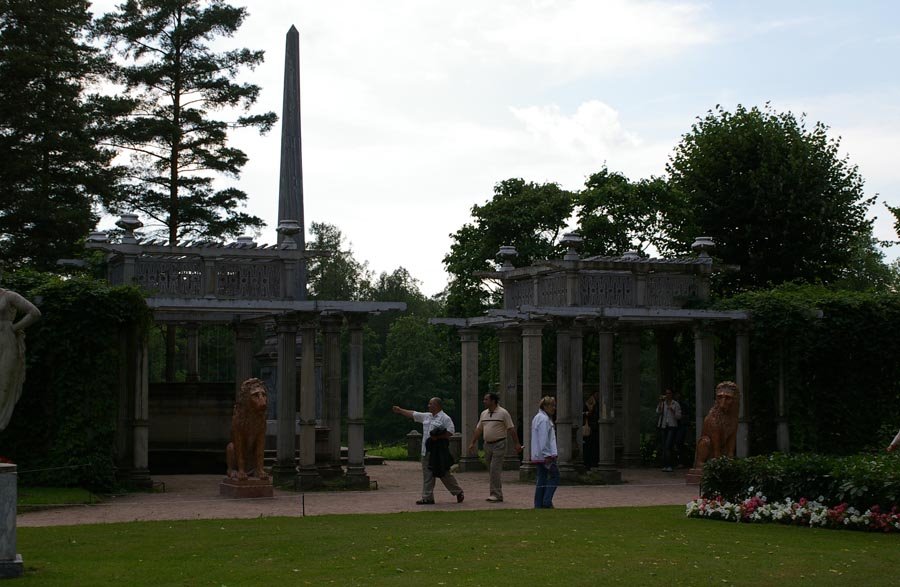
x=244 y=285
x=612 y=296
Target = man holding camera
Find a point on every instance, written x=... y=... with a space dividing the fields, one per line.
x=668 y=413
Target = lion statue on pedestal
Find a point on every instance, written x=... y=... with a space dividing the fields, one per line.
x=720 y=425
x=244 y=454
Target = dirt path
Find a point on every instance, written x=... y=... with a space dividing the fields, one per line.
x=399 y=486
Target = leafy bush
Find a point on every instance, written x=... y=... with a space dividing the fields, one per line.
x=860 y=481
x=63 y=430
x=837 y=353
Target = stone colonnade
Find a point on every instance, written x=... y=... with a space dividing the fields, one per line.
x=519 y=345
x=296 y=428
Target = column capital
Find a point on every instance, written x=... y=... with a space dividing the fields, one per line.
x=286 y=323
x=244 y=330
x=607 y=324
x=532 y=328
x=356 y=321
x=509 y=334
x=468 y=334
x=702 y=328
x=331 y=322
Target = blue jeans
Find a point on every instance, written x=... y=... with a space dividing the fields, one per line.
x=547 y=482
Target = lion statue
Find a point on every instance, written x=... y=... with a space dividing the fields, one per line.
x=720 y=425
x=244 y=454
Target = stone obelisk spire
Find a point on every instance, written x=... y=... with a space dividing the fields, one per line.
x=290 y=189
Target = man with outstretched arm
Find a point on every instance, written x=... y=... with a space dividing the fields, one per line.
x=494 y=425
x=437 y=428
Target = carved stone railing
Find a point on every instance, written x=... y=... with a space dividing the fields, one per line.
x=593 y=288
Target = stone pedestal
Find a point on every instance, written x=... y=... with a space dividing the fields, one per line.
x=694 y=476
x=247 y=489
x=10 y=562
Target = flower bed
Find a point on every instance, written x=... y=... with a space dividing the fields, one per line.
x=804 y=512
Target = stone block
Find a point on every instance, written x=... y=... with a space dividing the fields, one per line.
x=247 y=489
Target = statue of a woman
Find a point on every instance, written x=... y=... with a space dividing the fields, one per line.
x=12 y=349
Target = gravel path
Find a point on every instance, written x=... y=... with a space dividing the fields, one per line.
x=189 y=497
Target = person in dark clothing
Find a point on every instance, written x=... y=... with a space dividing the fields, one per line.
x=590 y=431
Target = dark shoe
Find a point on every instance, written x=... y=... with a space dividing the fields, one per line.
x=460 y=497
x=494 y=499
x=426 y=502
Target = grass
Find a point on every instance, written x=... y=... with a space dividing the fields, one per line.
x=390 y=452
x=631 y=546
x=30 y=498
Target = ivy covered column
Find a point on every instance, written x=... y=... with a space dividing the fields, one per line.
x=742 y=378
x=576 y=387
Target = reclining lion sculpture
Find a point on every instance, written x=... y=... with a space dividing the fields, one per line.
x=244 y=454
x=720 y=425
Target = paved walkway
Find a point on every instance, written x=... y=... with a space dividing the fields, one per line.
x=399 y=486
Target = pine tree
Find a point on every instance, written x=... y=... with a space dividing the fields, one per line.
x=177 y=145
x=52 y=173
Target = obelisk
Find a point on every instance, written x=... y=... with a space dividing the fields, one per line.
x=290 y=189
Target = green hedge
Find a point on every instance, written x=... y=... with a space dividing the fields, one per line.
x=63 y=429
x=838 y=352
x=860 y=481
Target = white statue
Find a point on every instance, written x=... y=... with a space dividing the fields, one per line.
x=12 y=349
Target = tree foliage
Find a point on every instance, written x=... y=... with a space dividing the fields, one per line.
x=526 y=215
x=176 y=142
x=415 y=367
x=616 y=215
x=774 y=195
x=338 y=276
x=53 y=171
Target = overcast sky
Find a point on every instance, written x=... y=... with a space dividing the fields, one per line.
x=413 y=109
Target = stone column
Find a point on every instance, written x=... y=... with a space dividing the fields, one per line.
x=10 y=562
x=531 y=390
x=704 y=374
x=742 y=378
x=607 y=431
x=564 y=400
x=308 y=475
x=577 y=389
x=243 y=354
x=193 y=351
x=139 y=475
x=782 y=432
x=356 y=466
x=470 y=398
x=285 y=470
x=631 y=397
x=510 y=348
x=331 y=358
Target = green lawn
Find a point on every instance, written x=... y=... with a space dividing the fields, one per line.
x=36 y=497
x=634 y=546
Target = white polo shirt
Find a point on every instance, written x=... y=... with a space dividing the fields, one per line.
x=429 y=421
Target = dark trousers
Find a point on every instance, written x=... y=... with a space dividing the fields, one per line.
x=591 y=444
x=667 y=441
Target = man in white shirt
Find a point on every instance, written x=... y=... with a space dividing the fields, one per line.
x=433 y=420
x=544 y=453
